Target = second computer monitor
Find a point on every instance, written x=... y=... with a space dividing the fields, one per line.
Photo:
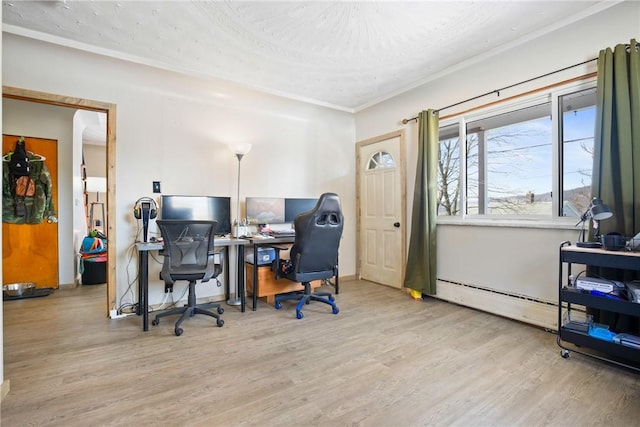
x=265 y=210
x=294 y=207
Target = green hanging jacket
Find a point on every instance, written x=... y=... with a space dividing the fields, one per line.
x=37 y=207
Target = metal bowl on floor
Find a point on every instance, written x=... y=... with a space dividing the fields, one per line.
x=19 y=289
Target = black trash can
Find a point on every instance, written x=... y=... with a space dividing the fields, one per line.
x=94 y=272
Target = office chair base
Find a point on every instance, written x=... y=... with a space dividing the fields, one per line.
x=190 y=310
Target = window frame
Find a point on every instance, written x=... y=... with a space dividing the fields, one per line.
x=551 y=96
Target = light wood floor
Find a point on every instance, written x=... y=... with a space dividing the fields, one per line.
x=384 y=360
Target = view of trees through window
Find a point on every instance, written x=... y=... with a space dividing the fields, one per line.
x=509 y=162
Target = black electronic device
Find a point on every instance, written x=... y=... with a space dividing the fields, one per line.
x=145 y=209
x=201 y=208
x=294 y=207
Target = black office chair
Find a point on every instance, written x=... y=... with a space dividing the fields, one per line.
x=188 y=255
x=314 y=254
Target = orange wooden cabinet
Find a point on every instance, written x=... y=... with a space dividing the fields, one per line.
x=269 y=286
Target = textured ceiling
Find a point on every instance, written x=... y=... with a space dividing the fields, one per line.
x=345 y=55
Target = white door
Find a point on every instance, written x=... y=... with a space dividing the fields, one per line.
x=381 y=209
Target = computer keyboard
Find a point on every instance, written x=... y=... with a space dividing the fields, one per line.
x=283 y=233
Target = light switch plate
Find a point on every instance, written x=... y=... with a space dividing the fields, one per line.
x=156 y=186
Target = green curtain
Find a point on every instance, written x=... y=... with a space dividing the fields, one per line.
x=617 y=139
x=616 y=151
x=421 y=260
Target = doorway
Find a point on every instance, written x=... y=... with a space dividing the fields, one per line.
x=27 y=226
x=110 y=111
x=381 y=195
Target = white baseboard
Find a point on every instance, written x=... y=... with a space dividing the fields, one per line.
x=523 y=309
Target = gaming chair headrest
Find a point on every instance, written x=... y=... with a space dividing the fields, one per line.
x=329 y=202
x=153 y=208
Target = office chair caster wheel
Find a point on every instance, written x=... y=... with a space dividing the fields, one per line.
x=335 y=310
x=220 y=322
x=278 y=306
x=155 y=322
x=220 y=310
x=178 y=331
x=299 y=315
x=564 y=354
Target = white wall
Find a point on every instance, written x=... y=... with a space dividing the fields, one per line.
x=175 y=129
x=520 y=259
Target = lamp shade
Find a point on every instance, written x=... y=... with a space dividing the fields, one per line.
x=599 y=210
x=96 y=184
x=240 y=148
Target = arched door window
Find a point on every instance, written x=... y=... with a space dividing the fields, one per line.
x=381 y=160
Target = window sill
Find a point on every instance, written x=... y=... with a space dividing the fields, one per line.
x=547 y=223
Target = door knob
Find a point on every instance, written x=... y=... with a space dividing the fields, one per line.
x=396 y=224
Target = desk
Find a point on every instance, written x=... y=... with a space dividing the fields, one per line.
x=266 y=241
x=143 y=273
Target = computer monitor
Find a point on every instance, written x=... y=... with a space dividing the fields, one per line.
x=293 y=207
x=206 y=208
x=265 y=210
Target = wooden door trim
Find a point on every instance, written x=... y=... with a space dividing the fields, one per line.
x=110 y=110
x=403 y=194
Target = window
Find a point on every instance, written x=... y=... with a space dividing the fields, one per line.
x=578 y=135
x=449 y=171
x=510 y=161
x=381 y=160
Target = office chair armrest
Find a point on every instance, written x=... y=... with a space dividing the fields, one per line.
x=211 y=268
x=165 y=273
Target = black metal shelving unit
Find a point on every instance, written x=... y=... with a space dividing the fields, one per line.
x=582 y=342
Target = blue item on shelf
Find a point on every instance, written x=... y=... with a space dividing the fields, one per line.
x=265 y=256
x=602 y=334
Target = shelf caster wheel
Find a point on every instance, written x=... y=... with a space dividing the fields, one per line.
x=564 y=354
x=155 y=322
x=335 y=310
x=178 y=331
x=299 y=315
x=220 y=310
x=220 y=322
x=278 y=306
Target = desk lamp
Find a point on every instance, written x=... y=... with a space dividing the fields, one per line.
x=597 y=211
x=239 y=150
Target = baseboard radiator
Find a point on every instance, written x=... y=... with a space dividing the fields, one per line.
x=518 y=307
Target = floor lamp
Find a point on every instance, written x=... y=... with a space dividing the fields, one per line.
x=239 y=150
x=96 y=185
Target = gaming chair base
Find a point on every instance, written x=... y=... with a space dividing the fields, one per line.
x=305 y=297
